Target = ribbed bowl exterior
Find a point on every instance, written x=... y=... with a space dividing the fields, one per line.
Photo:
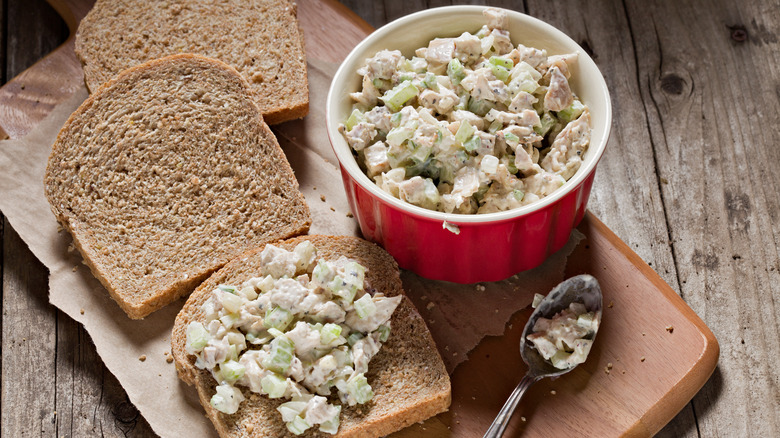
x=485 y=251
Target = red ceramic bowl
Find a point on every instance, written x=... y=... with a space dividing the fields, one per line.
x=488 y=247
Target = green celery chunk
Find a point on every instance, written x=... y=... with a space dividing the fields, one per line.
x=465 y=131
x=274 y=385
x=197 y=337
x=329 y=333
x=365 y=306
x=503 y=62
x=572 y=112
x=455 y=71
x=384 y=332
x=298 y=425
x=358 y=387
x=472 y=143
x=281 y=355
x=394 y=99
x=354 y=118
x=231 y=371
x=277 y=318
x=547 y=121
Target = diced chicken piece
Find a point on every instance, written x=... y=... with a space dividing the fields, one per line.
x=425 y=135
x=500 y=92
x=379 y=116
x=388 y=181
x=466 y=184
x=481 y=87
x=384 y=310
x=559 y=95
x=563 y=62
x=442 y=101
x=501 y=41
x=383 y=64
x=468 y=48
x=418 y=191
x=328 y=311
x=473 y=119
x=369 y=94
x=440 y=50
x=287 y=294
x=304 y=338
x=376 y=159
x=363 y=351
x=418 y=64
x=532 y=56
x=522 y=101
x=318 y=410
x=525 y=134
x=527 y=117
x=496 y=18
x=565 y=154
x=278 y=262
x=487 y=143
x=543 y=183
x=360 y=135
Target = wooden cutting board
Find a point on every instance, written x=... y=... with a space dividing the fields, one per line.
x=653 y=352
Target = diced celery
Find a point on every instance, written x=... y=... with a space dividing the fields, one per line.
x=248 y=292
x=480 y=107
x=510 y=165
x=480 y=193
x=572 y=112
x=355 y=274
x=395 y=98
x=547 y=121
x=275 y=332
x=455 y=71
x=511 y=138
x=395 y=119
x=495 y=126
x=291 y=409
x=274 y=385
x=229 y=320
x=430 y=81
x=472 y=143
x=343 y=289
x=277 y=318
x=227 y=288
x=354 y=118
x=231 y=371
x=384 y=332
x=358 y=387
x=501 y=73
x=503 y=62
x=322 y=273
x=378 y=83
x=365 y=306
x=197 y=337
x=231 y=303
x=421 y=153
x=329 y=333
x=586 y=320
x=398 y=135
x=331 y=426
x=465 y=131
x=298 y=425
x=354 y=337
x=281 y=355
x=560 y=360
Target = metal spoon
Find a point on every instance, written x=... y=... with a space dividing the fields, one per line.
x=582 y=289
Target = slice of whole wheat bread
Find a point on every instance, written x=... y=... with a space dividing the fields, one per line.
x=167 y=172
x=260 y=38
x=407 y=375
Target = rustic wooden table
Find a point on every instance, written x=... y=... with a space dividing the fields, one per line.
x=690 y=181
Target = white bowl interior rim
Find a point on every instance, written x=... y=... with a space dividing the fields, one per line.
x=415 y=30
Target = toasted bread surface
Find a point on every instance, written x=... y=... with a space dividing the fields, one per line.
x=167 y=172
x=408 y=376
x=260 y=38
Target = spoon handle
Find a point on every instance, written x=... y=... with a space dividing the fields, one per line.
x=496 y=430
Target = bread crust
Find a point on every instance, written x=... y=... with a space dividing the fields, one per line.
x=262 y=39
x=102 y=172
x=408 y=375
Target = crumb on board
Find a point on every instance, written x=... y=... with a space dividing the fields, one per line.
x=481 y=288
x=81 y=311
x=332 y=209
x=611 y=303
x=75 y=268
x=314 y=188
x=623 y=372
x=142 y=357
x=430 y=305
x=553 y=392
x=523 y=419
x=642 y=359
x=350 y=215
x=643 y=334
x=609 y=365
x=169 y=359
x=322 y=198
x=670 y=328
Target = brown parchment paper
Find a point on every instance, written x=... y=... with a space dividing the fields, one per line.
x=459 y=316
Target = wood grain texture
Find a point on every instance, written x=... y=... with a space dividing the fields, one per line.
x=689 y=182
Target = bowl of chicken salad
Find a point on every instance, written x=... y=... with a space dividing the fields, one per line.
x=468 y=139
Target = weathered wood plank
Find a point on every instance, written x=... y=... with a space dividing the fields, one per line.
x=709 y=87
x=53 y=383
